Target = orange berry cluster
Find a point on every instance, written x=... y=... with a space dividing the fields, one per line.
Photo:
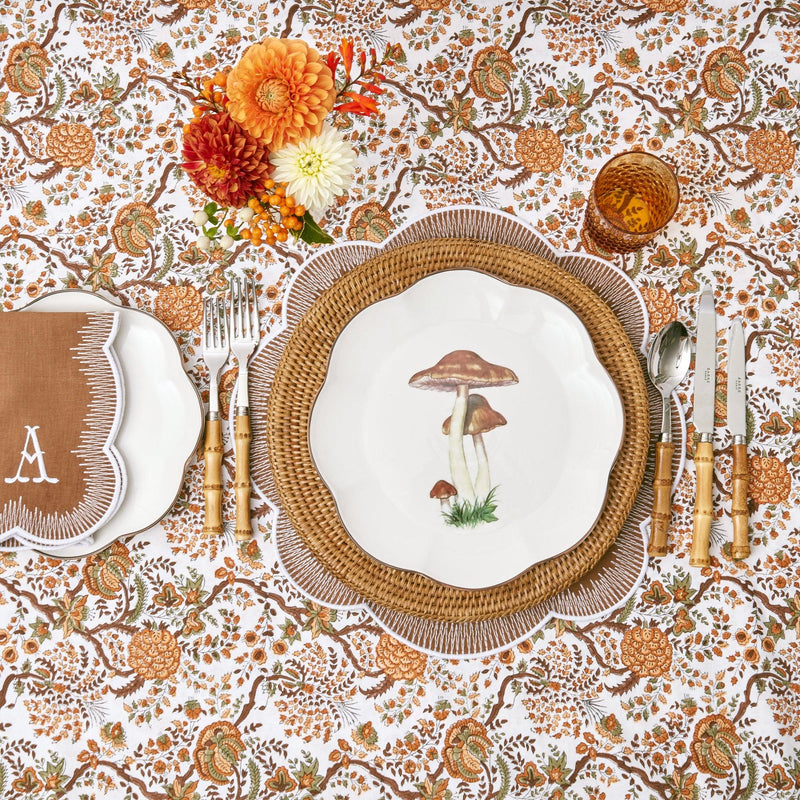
x=263 y=227
x=210 y=98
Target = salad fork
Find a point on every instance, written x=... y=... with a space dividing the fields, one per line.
x=244 y=338
x=215 y=354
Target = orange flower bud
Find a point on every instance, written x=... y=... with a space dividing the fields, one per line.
x=346 y=50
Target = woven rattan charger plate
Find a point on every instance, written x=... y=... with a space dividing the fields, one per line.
x=300 y=374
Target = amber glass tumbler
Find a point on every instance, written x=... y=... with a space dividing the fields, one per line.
x=633 y=197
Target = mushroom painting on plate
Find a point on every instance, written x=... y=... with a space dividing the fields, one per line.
x=459 y=372
x=481 y=418
x=444 y=492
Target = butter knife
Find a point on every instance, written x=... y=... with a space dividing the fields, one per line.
x=737 y=425
x=704 y=380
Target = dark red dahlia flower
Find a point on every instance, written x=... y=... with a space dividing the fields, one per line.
x=225 y=161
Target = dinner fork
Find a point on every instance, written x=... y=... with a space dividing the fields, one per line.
x=244 y=338
x=215 y=354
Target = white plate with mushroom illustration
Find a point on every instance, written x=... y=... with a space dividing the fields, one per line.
x=502 y=462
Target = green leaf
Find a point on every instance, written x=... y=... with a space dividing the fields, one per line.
x=638 y=260
x=752 y=773
x=312 y=233
x=505 y=779
x=757 y=100
x=626 y=611
x=141 y=596
x=61 y=91
x=526 y=104
x=750 y=424
x=169 y=252
x=255 y=779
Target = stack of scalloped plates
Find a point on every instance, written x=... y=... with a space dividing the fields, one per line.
x=161 y=424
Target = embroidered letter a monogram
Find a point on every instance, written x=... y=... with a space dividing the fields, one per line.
x=30 y=457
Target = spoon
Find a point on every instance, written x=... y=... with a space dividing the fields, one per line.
x=667 y=364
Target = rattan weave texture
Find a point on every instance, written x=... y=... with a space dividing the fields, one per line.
x=301 y=374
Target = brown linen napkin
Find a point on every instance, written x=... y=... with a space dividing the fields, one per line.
x=61 y=398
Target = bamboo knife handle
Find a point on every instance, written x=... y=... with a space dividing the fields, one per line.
x=741 y=547
x=662 y=503
x=212 y=478
x=703 y=504
x=241 y=477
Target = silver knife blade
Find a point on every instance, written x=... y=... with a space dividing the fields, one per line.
x=736 y=381
x=705 y=364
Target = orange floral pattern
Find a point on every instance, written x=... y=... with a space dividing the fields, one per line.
x=179 y=307
x=26 y=67
x=154 y=654
x=176 y=667
x=714 y=745
x=398 y=660
x=539 y=149
x=491 y=73
x=70 y=144
x=466 y=748
x=646 y=652
x=770 y=481
x=723 y=73
x=370 y=222
x=771 y=150
x=134 y=228
x=661 y=306
x=219 y=748
x=106 y=572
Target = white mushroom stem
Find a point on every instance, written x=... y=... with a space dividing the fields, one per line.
x=458 y=461
x=483 y=483
x=445 y=503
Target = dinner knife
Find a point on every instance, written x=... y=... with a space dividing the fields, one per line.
x=737 y=425
x=704 y=378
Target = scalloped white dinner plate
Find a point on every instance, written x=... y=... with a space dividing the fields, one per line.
x=161 y=424
x=378 y=443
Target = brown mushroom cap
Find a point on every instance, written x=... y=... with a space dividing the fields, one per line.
x=481 y=417
x=442 y=490
x=459 y=368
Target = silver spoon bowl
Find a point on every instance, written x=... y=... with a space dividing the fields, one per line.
x=667 y=363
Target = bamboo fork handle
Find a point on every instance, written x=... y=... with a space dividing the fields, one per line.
x=740 y=547
x=212 y=479
x=241 y=477
x=662 y=504
x=703 y=506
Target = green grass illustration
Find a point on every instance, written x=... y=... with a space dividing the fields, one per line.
x=470 y=515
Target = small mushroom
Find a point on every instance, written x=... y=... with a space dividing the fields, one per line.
x=461 y=371
x=481 y=418
x=443 y=492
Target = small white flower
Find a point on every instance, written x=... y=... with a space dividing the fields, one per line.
x=226 y=241
x=246 y=214
x=200 y=218
x=203 y=243
x=316 y=170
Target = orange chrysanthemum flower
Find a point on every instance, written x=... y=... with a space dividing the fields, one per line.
x=280 y=91
x=224 y=160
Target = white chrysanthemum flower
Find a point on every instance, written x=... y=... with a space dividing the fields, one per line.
x=316 y=170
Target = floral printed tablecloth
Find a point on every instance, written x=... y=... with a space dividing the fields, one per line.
x=173 y=666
